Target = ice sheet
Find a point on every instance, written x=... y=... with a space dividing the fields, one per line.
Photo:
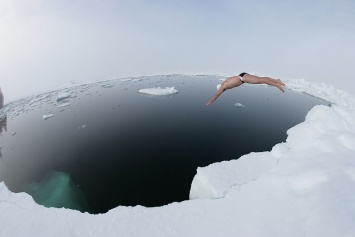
x=302 y=187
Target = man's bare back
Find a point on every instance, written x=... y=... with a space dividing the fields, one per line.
x=236 y=81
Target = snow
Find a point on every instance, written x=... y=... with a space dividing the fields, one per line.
x=159 y=91
x=218 y=179
x=302 y=187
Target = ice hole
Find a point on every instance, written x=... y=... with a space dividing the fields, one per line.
x=137 y=150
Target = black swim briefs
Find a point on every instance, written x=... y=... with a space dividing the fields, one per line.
x=241 y=76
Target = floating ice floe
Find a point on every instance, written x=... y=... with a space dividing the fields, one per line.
x=137 y=79
x=82 y=126
x=107 y=86
x=62 y=96
x=64 y=104
x=159 y=91
x=126 y=80
x=47 y=116
x=39 y=98
x=239 y=105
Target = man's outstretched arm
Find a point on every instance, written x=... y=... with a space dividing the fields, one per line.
x=219 y=92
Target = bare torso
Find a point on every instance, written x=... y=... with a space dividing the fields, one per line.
x=231 y=82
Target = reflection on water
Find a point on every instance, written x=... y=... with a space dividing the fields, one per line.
x=123 y=148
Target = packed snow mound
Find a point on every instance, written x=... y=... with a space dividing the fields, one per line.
x=159 y=91
x=218 y=179
x=311 y=176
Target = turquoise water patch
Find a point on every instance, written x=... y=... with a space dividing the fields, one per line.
x=56 y=189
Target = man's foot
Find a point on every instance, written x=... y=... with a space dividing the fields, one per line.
x=280 y=85
x=281 y=88
x=280 y=82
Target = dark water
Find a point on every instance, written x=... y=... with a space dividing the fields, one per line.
x=113 y=146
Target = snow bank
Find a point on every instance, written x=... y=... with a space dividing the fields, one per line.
x=218 y=179
x=159 y=91
x=302 y=187
x=310 y=178
x=323 y=91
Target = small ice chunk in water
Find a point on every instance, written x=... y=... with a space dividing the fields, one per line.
x=159 y=91
x=39 y=98
x=47 y=116
x=125 y=80
x=239 y=105
x=82 y=126
x=62 y=96
x=137 y=79
x=107 y=86
x=64 y=104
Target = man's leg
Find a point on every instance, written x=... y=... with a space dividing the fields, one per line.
x=264 y=80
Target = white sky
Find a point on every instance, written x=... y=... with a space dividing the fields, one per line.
x=46 y=44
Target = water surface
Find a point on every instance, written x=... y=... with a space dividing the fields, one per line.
x=107 y=145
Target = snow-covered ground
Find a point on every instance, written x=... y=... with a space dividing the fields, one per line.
x=303 y=187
